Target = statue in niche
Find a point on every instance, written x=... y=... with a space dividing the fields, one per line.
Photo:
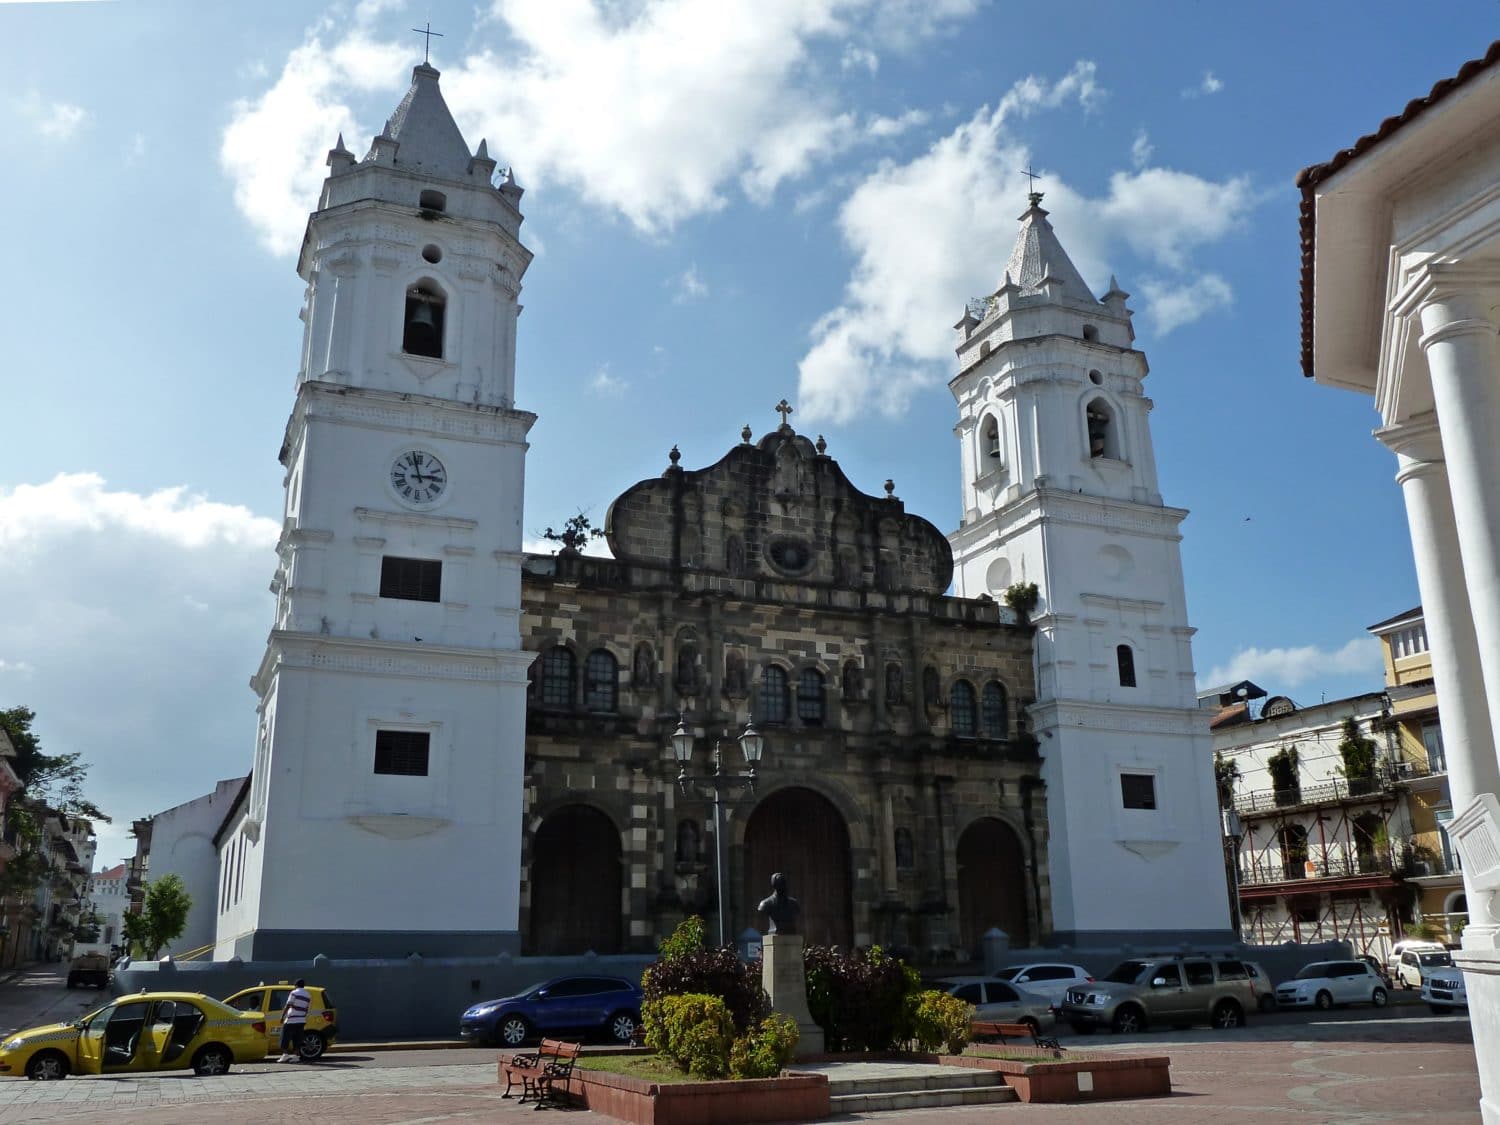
x=906 y=852
x=643 y=670
x=854 y=682
x=790 y=477
x=932 y=688
x=736 y=682
x=688 y=841
x=894 y=689
x=687 y=669
x=734 y=556
x=845 y=570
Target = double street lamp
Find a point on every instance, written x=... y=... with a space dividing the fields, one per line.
x=715 y=786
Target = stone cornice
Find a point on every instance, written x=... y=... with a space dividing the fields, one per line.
x=402 y=412
x=414 y=519
x=1135 y=718
x=406 y=660
x=1055 y=506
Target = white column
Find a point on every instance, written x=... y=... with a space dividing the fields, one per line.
x=1460 y=342
x=1468 y=739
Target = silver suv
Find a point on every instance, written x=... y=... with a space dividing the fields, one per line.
x=1180 y=991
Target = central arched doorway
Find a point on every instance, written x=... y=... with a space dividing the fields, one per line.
x=991 y=885
x=801 y=833
x=575 y=883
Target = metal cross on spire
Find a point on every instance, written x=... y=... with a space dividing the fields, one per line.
x=1031 y=178
x=427 y=46
x=784 y=409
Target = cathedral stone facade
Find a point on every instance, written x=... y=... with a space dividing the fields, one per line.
x=899 y=788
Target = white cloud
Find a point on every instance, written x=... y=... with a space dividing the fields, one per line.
x=1173 y=305
x=881 y=128
x=650 y=109
x=690 y=286
x=606 y=384
x=136 y=150
x=104 y=639
x=1282 y=669
x=856 y=58
x=890 y=336
x=1141 y=149
x=275 y=145
x=1209 y=86
x=51 y=119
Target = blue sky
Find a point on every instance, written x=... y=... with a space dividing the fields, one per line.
x=730 y=203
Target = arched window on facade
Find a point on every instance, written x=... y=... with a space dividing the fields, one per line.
x=961 y=709
x=422 y=331
x=993 y=720
x=810 y=697
x=774 y=704
x=990 y=438
x=601 y=681
x=1125 y=660
x=557 y=678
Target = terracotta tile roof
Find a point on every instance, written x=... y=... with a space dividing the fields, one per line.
x=1310 y=177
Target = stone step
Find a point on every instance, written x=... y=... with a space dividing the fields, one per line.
x=929 y=1078
x=920 y=1099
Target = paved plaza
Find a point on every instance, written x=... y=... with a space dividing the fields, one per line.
x=1354 y=1066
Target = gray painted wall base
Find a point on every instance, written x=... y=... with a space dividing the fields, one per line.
x=293 y=945
x=413 y=997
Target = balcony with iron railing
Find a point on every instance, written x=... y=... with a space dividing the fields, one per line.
x=1338 y=790
x=1401 y=860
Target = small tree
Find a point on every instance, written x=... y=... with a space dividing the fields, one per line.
x=575 y=534
x=162 y=919
x=1022 y=597
x=1358 y=753
x=1226 y=774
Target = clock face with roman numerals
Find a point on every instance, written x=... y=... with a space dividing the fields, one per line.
x=419 y=479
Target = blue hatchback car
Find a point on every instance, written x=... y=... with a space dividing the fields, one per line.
x=608 y=1004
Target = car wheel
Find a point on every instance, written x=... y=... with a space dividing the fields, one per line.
x=513 y=1030
x=1440 y=1009
x=47 y=1067
x=1268 y=1003
x=1129 y=1020
x=622 y=1026
x=312 y=1046
x=1378 y=998
x=1083 y=1029
x=1324 y=1001
x=211 y=1060
x=1228 y=1015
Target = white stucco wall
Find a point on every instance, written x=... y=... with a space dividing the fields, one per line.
x=182 y=844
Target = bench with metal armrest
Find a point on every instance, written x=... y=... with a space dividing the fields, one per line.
x=1004 y=1032
x=542 y=1074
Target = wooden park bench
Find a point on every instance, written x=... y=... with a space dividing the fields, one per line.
x=543 y=1074
x=1005 y=1032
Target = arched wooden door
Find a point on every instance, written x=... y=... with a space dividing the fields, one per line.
x=575 y=883
x=992 y=886
x=800 y=833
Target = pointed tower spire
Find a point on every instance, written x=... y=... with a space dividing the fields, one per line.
x=423 y=126
x=1039 y=259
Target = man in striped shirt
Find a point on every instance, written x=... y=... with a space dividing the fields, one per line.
x=293 y=1020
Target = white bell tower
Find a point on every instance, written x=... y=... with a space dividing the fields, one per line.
x=383 y=815
x=1060 y=491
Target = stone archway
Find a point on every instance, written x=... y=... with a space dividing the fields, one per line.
x=575 y=884
x=992 y=888
x=801 y=833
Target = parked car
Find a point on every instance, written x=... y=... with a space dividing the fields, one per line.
x=1260 y=984
x=142 y=1032
x=1409 y=945
x=608 y=1004
x=1444 y=990
x=1414 y=965
x=1001 y=1001
x=322 y=1026
x=1385 y=977
x=1050 y=979
x=1180 y=991
x=1323 y=984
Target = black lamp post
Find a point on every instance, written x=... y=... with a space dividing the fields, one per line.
x=715 y=785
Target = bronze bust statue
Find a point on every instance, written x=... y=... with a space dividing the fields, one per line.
x=780 y=907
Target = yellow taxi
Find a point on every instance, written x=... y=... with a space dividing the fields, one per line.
x=322 y=1025
x=141 y=1032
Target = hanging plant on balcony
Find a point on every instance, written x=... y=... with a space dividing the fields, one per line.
x=1226 y=774
x=1358 y=753
x=1282 y=767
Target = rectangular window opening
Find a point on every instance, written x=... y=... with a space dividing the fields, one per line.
x=402 y=752
x=416 y=580
x=1138 y=790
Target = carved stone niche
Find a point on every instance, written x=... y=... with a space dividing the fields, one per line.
x=736 y=678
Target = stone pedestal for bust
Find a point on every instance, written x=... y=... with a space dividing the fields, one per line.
x=785 y=981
